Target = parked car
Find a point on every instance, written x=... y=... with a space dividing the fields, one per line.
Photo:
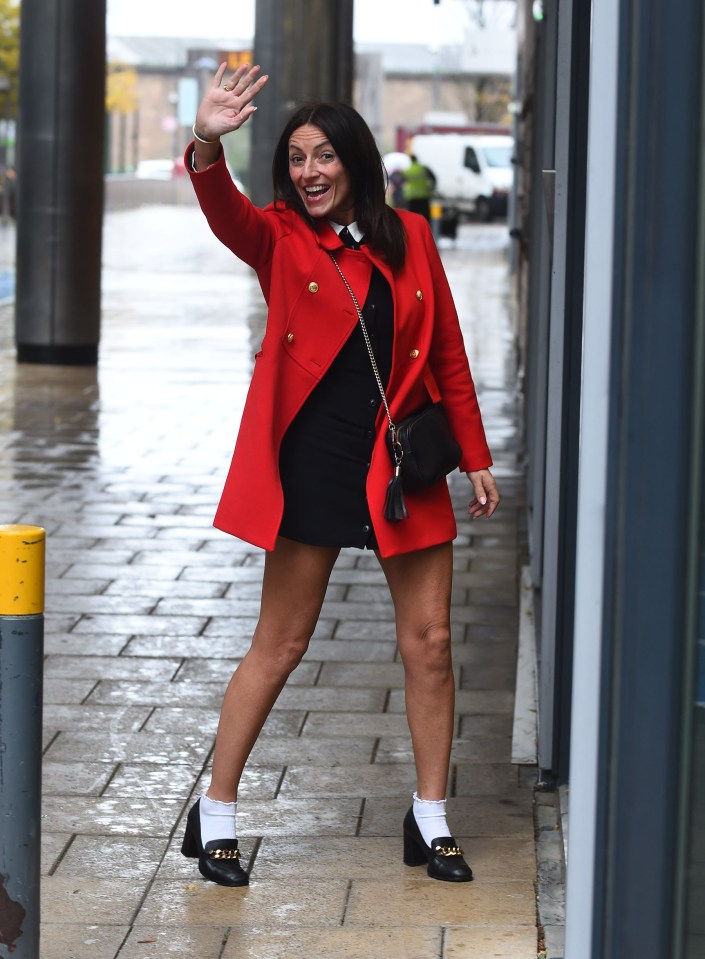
x=474 y=172
x=179 y=170
x=155 y=169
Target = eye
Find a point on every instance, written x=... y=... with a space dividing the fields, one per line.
x=295 y=160
x=328 y=155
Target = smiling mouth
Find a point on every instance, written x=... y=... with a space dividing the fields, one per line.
x=314 y=193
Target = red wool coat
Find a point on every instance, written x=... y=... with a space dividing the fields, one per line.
x=310 y=317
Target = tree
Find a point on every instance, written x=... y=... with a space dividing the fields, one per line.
x=121 y=100
x=121 y=93
x=9 y=55
x=497 y=13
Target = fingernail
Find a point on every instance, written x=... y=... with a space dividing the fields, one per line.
x=483 y=501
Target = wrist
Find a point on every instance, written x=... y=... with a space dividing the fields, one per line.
x=201 y=139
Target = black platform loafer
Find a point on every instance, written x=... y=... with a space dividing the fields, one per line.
x=443 y=857
x=218 y=860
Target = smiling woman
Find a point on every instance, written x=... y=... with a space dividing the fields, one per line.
x=311 y=473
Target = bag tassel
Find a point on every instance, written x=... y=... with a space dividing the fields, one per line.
x=394 y=505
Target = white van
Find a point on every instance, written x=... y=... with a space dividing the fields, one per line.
x=473 y=171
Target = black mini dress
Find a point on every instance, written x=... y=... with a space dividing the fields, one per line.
x=325 y=454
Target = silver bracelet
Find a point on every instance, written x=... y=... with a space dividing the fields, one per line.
x=200 y=139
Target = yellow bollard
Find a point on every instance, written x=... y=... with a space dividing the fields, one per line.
x=21 y=570
x=21 y=659
x=436 y=210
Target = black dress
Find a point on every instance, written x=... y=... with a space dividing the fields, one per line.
x=326 y=452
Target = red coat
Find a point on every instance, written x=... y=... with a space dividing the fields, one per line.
x=310 y=317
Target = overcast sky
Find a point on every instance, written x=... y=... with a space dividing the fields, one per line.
x=402 y=21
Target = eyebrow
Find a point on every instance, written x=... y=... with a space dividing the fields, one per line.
x=295 y=146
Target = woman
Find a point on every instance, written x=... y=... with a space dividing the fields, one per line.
x=310 y=467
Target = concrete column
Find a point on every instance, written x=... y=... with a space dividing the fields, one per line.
x=306 y=47
x=60 y=180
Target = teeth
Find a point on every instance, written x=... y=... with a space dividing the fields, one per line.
x=315 y=189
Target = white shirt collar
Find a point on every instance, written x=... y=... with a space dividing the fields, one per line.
x=352 y=227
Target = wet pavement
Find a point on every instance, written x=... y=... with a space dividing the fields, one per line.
x=149 y=608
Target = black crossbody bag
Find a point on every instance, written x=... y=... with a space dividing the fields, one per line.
x=421 y=446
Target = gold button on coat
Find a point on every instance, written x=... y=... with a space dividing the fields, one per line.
x=290 y=337
x=419 y=295
x=313 y=288
x=414 y=354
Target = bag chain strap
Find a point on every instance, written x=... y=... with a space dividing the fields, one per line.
x=396 y=446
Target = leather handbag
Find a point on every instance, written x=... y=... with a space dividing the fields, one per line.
x=422 y=446
x=429 y=449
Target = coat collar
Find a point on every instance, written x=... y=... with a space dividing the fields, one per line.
x=353 y=229
x=327 y=237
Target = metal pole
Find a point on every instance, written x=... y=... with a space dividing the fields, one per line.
x=21 y=654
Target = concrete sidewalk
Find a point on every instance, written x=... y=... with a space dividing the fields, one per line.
x=149 y=609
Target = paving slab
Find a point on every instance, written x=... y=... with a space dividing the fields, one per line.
x=374 y=942
x=275 y=902
x=426 y=903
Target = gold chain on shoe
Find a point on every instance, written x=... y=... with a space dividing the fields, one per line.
x=448 y=851
x=224 y=854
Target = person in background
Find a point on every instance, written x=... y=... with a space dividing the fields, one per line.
x=419 y=186
x=396 y=189
x=310 y=468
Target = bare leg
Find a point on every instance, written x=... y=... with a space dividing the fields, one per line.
x=293 y=589
x=420 y=584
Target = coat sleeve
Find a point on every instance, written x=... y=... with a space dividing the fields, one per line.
x=451 y=370
x=241 y=226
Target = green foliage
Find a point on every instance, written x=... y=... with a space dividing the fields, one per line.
x=121 y=89
x=10 y=52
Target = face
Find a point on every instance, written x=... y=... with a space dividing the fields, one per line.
x=319 y=177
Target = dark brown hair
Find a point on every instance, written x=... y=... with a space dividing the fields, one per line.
x=354 y=143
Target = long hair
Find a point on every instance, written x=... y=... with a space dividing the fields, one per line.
x=354 y=143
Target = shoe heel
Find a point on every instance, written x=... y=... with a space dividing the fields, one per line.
x=413 y=854
x=189 y=847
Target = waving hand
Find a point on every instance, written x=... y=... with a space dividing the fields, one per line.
x=226 y=106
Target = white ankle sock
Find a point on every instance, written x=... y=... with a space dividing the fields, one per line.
x=430 y=816
x=217 y=819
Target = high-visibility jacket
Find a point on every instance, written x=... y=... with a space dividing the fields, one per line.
x=418 y=184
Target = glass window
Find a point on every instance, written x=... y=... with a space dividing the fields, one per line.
x=694 y=932
x=471 y=160
x=498 y=156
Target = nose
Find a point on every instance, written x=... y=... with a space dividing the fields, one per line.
x=310 y=170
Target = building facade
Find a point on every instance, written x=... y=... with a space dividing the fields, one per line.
x=395 y=85
x=609 y=256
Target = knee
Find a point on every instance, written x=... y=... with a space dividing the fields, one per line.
x=431 y=650
x=283 y=652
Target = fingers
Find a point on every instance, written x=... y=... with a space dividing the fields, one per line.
x=237 y=76
x=492 y=502
x=242 y=82
x=486 y=498
x=252 y=91
x=219 y=75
